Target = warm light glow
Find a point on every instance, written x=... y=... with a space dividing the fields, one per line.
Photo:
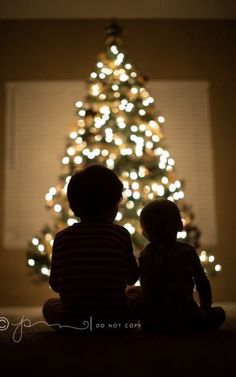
x=78 y=160
x=79 y=104
x=41 y=247
x=130 y=228
x=161 y=119
x=114 y=49
x=45 y=271
x=73 y=135
x=57 y=208
x=35 y=241
x=118 y=216
x=82 y=113
x=31 y=262
x=71 y=221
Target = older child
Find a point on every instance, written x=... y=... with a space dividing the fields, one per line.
x=169 y=271
x=92 y=260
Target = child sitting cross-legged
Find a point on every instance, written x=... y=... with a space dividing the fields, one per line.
x=169 y=272
x=93 y=261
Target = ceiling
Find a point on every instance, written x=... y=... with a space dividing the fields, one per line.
x=100 y=9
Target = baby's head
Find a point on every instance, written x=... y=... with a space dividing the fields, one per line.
x=160 y=220
x=94 y=193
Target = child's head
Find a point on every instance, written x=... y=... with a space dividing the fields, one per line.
x=160 y=220
x=94 y=193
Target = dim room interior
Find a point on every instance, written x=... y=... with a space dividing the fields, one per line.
x=186 y=51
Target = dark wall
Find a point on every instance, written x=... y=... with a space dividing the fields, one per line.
x=160 y=49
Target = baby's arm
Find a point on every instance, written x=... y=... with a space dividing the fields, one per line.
x=202 y=283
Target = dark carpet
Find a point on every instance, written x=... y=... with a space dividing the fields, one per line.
x=34 y=349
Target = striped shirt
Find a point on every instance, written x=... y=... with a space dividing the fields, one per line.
x=92 y=263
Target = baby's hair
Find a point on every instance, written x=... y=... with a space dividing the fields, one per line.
x=160 y=220
x=93 y=190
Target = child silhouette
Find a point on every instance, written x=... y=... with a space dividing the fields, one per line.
x=92 y=260
x=169 y=272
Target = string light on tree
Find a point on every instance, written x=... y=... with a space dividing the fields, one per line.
x=118 y=125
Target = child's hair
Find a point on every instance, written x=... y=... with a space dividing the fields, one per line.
x=160 y=220
x=93 y=190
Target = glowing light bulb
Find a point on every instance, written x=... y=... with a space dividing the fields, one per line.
x=71 y=221
x=78 y=160
x=31 y=262
x=130 y=204
x=128 y=66
x=142 y=127
x=41 y=248
x=53 y=190
x=79 y=104
x=115 y=87
x=164 y=180
x=155 y=138
x=129 y=107
x=172 y=187
x=160 y=190
x=149 y=145
x=95 y=89
x=118 y=141
x=134 y=128
x=82 y=113
x=98 y=137
x=161 y=119
x=105 y=152
x=218 y=267
x=211 y=258
x=110 y=163
x=133 y=175
x=99 y=64
x=35 y=241
x=136 y=195
x=119 y=59
x=181 y=194
x=124 y=77
x=177 y=184
x=65 y=160
x=142 y=112
x=134 y=90
x=93 y=75
x=130 y=228
x=171 y=161
x=153 y=124
x=127 y=193
x=176 y=196
x=102 y=96
x=57 y=208
x=114 y=49
x=48 y=197
x=148 y=133
x=118 y=216
x=73 y=135
x=135 y=185
x=71 y=151
x=203 y=256
x=45 y=271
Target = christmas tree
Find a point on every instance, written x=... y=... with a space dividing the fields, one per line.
x=117 y=125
